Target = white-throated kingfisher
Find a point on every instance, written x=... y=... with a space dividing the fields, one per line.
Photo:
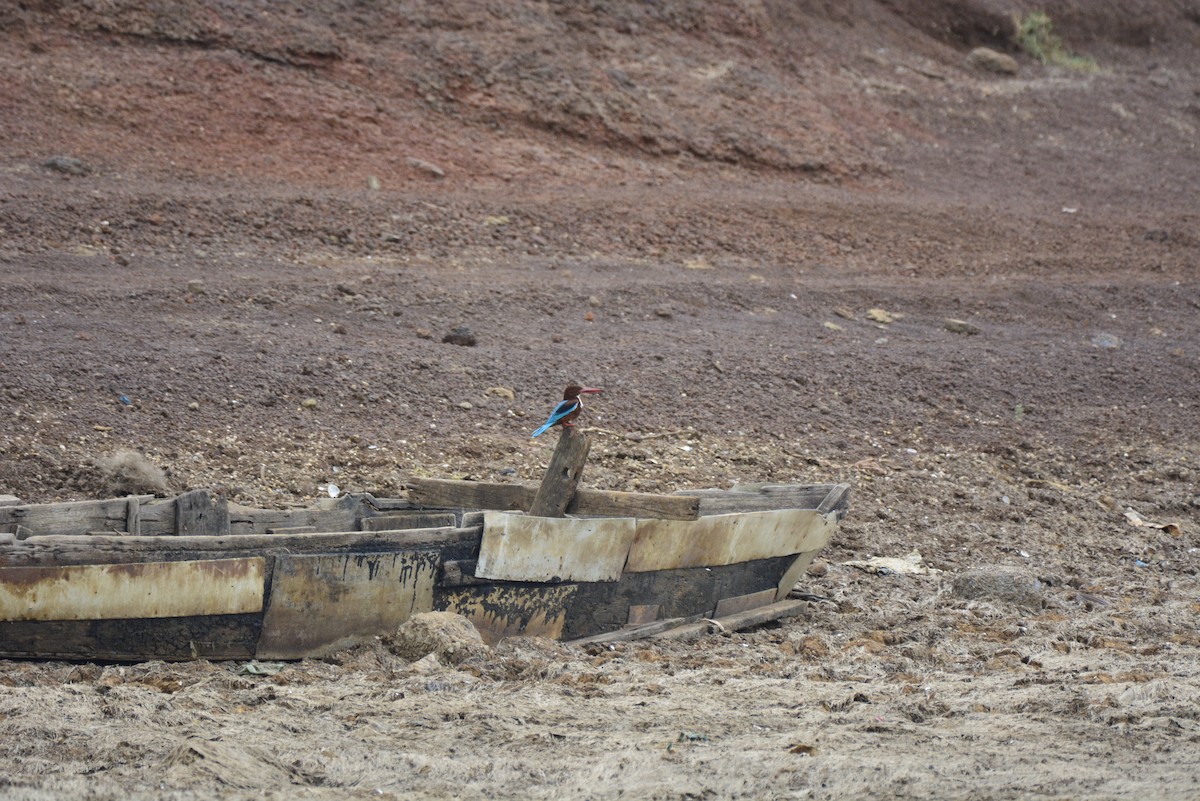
x=568 y=408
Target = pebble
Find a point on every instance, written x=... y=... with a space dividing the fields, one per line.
x=68 y=165
x=196 y=287
x=462 y=335
x=309 y=403
x=955 y=326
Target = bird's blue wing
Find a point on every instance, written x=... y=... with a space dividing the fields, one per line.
x=563 y=408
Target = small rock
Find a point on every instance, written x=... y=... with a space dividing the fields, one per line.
x=427 y=167
x=466 y=405
x=984 y=58
x=373 y=183
x=881 y=316
x=424 y=333
x=844 y=313
x=664 y=312
x=832 y=326
x=309 y=403
x=818 y=568
x=346 y=289
x=462 y=335
x=193 y=406
x=68 y=165
x=196 y=287
x=502 y=392
x=960 y=326
x=1000 y=584
x=594 y=301
x=1106 y=341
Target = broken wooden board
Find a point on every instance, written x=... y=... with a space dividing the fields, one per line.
x=727 y=539
x=138 y=590
x=736 y=621
x=201 y=513
x=523 y=548
x=562 y=476
x=321 y=603
x=500 y=611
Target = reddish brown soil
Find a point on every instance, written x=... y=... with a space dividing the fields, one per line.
x=697 y=206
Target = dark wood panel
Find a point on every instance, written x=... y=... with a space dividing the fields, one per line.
x=174 y=638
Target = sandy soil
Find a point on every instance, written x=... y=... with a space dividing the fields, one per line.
x=235 y=235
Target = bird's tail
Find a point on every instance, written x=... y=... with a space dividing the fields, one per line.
x=545 y=427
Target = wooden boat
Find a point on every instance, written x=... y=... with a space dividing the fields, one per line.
x=197 y=577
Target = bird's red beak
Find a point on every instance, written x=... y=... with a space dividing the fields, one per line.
x=590 y=390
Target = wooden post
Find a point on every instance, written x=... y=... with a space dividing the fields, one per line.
x=562 y=477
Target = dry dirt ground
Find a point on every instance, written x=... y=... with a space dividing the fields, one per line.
x=234 y=236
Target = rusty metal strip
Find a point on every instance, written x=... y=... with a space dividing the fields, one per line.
x=321 y=603
x=523 y=548
x=133 y=590
x=727 y=539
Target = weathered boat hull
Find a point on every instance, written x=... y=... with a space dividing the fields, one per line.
x=301 y=592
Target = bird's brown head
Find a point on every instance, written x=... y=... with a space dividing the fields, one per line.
x=574 y=391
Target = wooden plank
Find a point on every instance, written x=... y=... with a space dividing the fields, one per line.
x=727 y=539
x=604 y=606
x=640 y=614
x=838 y=500
x=133 y=640
x=793 y=574
x=9 y=500
x=525 y=548
x=740 y=603
x=330 y=514
x=456 y=543
x=144 y=589
x=635 y=632
x=500 y=611
x=736 y=622
x=321 y=603
x=396 y=522
x=201 y=513
x=74 y=517
x=283 y=531
x=610 y=503
x=133 y=516
x=437 y=493
x=562 y=476
x=17 y=531
x=763 y=497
